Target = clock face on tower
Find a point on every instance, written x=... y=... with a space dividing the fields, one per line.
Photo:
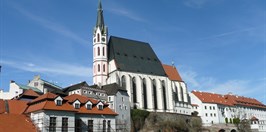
x=103 y=39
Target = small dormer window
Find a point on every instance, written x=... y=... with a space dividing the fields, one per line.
x=58 y=102
x=89 y=106
x=77 y=106
x=100 y=107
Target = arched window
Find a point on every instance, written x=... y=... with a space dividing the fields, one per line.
x=164 y=96
x=98 y=37
x=134 y=87
x=123 y=79
x=144 y=85
x=98 y=51
x=154 y=92
x=182 y=93
x=103 y=52
x=103 y=67
x=99 y=68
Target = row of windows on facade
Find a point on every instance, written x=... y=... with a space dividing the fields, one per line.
x=144 y=91
x=106 y=126
x=98 y=38
x=99 y=68
x=87 y=92
x=98 y=53
x=211 y=107
x=211 y=115
x=77 y=105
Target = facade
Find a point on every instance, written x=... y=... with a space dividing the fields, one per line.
x=89 y=91
x=50 y=112
x=135 y=66
x=45 y=86
x=118 y=100
x=16 y=89
x=216 y=108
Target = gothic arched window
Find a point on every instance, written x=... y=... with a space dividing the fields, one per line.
x=103 y=67
x=98 y=37
x=123 y=79
x=98 y=51
x=103 y=52
x=134 y=87
x=144 y=84
x=164 y=96
x=154 y=92
x=99 y=68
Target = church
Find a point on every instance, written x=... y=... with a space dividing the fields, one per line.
x=133 y=65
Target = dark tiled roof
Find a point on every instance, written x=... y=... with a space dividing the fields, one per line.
x=134 y=56
x=75 y=86
x=112 y=89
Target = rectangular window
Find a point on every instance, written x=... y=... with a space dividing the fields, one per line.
x=210 y=108
x=213 y=108
x=205 y=107
x=78 y=125
x=52 y=125
x=90 y=125
x=64 y=124
x=206 y=114
x=100 y=107
x=104 y=125
x=59 y=102
x=89 y=106
x=76 y=106
x=109 y=126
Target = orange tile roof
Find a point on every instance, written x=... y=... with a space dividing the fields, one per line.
x=50 y=105
x=16 y=123
x=83 y=99
x=30 y=92
x=46 y=102
x=228 y=99
x=46 y=96
x=95 y=110
x=17 y=106
x=2 y=106
x=172 y=73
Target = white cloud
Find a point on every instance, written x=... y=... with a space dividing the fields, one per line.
x=195 y=3
x=51 y=67
x=51 y=25
x=248 y=88
x=126 y=13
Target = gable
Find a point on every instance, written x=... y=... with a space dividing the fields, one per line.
x=134 y=56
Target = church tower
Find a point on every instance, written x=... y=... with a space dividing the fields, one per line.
x=100 y=36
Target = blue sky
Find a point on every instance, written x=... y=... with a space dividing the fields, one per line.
x=217 y=45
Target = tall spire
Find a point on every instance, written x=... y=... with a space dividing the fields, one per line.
x=100 y=20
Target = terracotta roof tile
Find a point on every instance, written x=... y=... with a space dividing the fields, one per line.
x=95 y=110
x=83 y=99
x=172 y=73
x=42 y=103
x=16 y=123
x=30 y=92
x=46 y=96
x=17 y=106
x=228 y=99
x=2 y=106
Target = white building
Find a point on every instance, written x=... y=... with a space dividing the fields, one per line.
x=78 y=113
x=45 y=86
x=118 y=100
x=135 y=66
x=15 y=89
x=216 y=108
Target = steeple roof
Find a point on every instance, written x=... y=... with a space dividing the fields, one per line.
x=100 y=20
